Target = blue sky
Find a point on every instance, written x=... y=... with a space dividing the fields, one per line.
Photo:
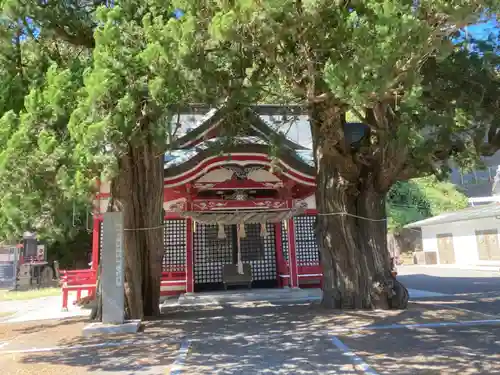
x=483 y=30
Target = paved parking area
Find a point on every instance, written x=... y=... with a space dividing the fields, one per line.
x=445 y=350
x=39 y=309
x=251 y=337
x=262 y=338
x=58 y=347
x=299 y=339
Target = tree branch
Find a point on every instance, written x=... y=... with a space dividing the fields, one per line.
x=85 y=38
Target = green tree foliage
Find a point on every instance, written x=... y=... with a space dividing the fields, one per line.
x=394 y=65
x=420 y=198
x=100 y=105
x=40 y=78
x=72 y=252
x=122 y=72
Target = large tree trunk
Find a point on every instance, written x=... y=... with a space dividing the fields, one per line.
x=351 y=223
x=372 y=240
x=343 y=263
x=353 y=252
x=139 y=192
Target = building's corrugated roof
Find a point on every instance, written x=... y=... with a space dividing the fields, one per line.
x=471 y=213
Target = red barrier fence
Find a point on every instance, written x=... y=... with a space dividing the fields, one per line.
x=172 y=283
x=79 y=281
x=311 y=275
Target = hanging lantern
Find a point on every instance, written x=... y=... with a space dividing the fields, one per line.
x=194 y=226
x=263 y=230
x=222 y=233
x=285 y=225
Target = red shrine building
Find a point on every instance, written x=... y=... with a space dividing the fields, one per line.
x=242 y=213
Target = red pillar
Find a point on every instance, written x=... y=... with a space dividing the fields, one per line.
x=280 y=261
x=292 y=255
x=189 y=256
x=95 y=243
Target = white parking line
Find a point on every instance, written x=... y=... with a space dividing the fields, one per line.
x=455 y=308
x=180 y=360
x=357 y=361
x=86 y=346
x=59 y=348
x=417 y=293
x=460 y=323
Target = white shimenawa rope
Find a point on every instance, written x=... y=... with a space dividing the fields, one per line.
x=352 y=215
x=318 y=214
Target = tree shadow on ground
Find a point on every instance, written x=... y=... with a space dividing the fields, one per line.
x=478 y=294
x=30 y=328
x=445 y=284
x=429 y=351
x=255 y=338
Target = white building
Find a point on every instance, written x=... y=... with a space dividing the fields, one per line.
x=469 y=237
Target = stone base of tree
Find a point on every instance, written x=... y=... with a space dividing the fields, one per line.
x=97 y=328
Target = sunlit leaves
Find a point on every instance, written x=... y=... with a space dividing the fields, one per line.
x=98 y=80
x=375 y=51
x=35 y=146
x=420 y=198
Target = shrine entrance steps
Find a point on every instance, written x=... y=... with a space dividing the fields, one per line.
x=285 y=295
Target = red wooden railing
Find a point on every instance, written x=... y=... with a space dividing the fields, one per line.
x=172 y=283
x=309 y=275
x=79 y=281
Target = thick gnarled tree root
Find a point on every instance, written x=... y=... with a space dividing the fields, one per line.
x=399 y=300
x=390 y=295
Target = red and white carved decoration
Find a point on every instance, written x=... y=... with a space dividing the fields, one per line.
x=238 y=184
x=235 y=177
x=273 y=185
x=177 y=205
x=207 y=205
x=215 y=176
x=270 y=204
x=257 y=204
x=201 y=173
x=204 y=185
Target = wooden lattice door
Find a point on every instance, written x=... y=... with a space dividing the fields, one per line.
x=487 y=244
x=445 y=248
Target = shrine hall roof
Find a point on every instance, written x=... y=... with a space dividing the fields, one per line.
x=288 y=125
x=178 y=161
x=175 y=158
x=205 y=133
